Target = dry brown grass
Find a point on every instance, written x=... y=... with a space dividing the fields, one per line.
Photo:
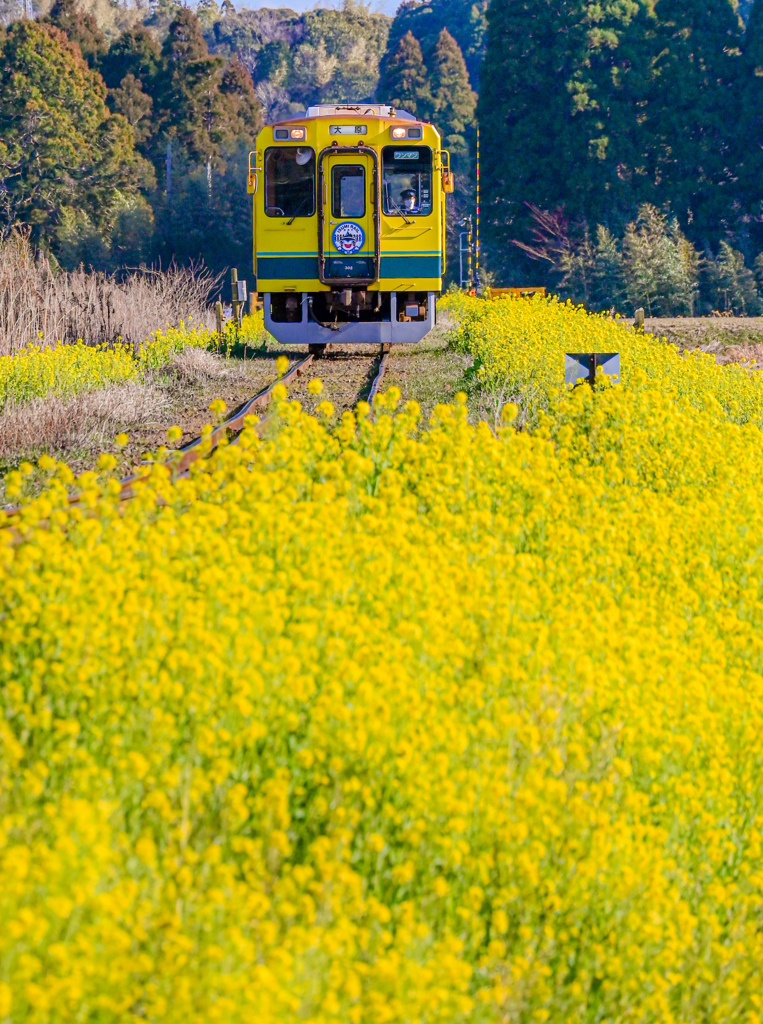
x=87 y=421
x=199 y=364
x=37 y=300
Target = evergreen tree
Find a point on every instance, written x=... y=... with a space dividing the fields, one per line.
x=188 y=89
x=561 y=107
x=732 y=284
x=698 y=75
x=661 y=266
x=129 y=100
x=750 y=127
x=185 y=41
x=464 y=19
x=453 y=102
x=60 y=147
x=404 y=81
x=524 y=116
x=238 y=111
x=80 y=27
x=135 y=52
x=607 y=289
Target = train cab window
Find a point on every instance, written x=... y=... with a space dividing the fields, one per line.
x=407 y=181
x=290 y=181
x=348 y=190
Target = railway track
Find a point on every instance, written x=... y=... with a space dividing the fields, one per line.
x=182 y=459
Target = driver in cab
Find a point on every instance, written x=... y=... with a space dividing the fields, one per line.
x=408 y=201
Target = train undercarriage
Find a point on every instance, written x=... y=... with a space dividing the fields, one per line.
x=349 y=316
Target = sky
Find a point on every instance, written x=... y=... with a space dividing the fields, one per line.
x=385 y=6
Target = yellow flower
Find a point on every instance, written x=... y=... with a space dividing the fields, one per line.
x=315 y=386
x=380 y=719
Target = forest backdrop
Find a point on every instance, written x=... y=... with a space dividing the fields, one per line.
x=622 y=141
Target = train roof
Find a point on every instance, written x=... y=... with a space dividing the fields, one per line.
x=355 y=110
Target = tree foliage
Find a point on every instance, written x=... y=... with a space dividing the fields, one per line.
x=465 y=20
x=61 y=149
x=404 y=81
x=79 y=27
x=601 y=108
x=453 y=101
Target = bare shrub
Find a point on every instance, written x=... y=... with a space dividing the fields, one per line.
x=86 y=421
x=38 y=302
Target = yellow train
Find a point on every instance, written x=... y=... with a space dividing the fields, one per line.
x=349 y=225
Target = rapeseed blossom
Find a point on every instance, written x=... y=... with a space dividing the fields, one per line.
x=519 y=347
x=64 y=370
x=384 y=721
x=68 y=370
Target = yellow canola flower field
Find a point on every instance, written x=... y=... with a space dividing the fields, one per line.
x=519 y=347
x=67 y=370
x=64 y=370
x=364 y=722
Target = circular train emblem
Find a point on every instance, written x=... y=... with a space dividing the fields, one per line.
x=348 y=238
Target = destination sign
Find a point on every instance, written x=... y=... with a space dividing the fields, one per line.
x=348 y=129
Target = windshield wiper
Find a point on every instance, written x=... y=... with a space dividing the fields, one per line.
x=395 y=207
x=296 y=212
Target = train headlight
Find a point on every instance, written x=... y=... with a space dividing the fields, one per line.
x=297 y=133
x=398 y=133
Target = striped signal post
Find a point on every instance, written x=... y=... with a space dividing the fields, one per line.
x=477 y=224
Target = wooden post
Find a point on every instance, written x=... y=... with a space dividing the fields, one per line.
x=638 y=321
x=219 y=318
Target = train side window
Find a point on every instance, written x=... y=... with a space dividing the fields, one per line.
x=407 y=181
x=290 y=181
x=348 y=190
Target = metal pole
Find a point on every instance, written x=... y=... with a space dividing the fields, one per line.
x=469 y=253
x=477 y=238
x=168 y=167
x=234 y=292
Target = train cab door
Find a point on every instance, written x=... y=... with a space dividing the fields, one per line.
x=348 y=192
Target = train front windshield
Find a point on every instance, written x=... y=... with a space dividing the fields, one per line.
x=290 y=181
x=407 y=180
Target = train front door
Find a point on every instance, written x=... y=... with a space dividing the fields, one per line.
x=349 y=251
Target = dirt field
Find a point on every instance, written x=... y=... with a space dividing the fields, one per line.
x=729 y=339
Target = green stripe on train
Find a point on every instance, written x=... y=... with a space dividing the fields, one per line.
x=306 y=267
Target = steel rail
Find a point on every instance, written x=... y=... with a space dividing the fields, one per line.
x=184 y=457
x=379 y=375
x=181 y=460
